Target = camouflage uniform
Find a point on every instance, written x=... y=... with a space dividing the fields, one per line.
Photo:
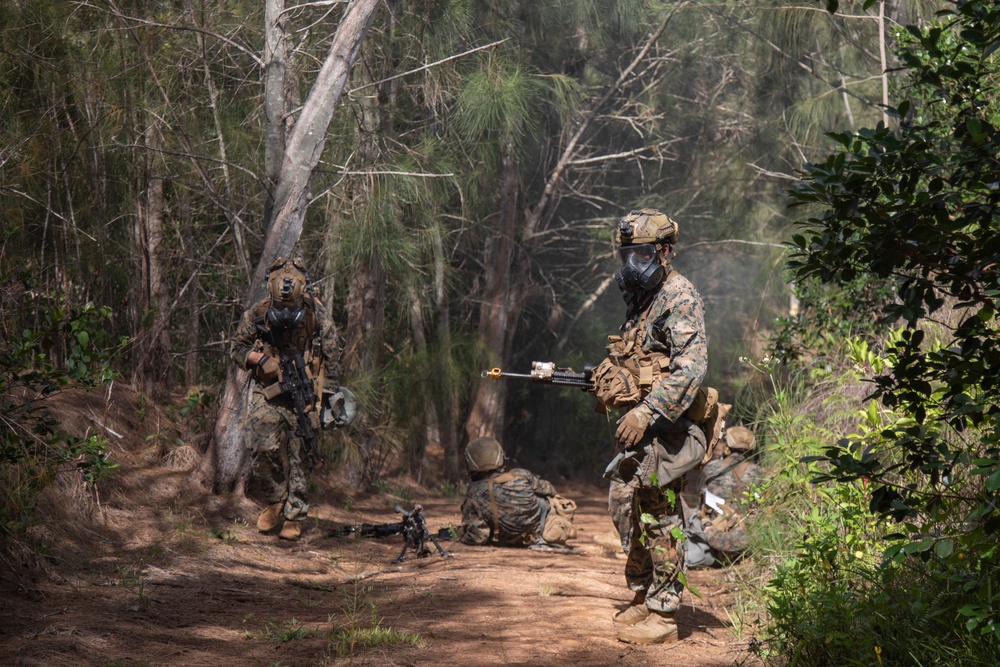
x=279 y=464
x=729 y=478
x=522 y=504
x=647 y=478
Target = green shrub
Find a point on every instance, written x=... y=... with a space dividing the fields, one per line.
x=70 y=350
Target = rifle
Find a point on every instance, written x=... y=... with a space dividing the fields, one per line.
x=413 y=528
x=295 y=381
x=546 y=372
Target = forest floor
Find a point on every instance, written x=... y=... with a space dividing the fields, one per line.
x=160 y=572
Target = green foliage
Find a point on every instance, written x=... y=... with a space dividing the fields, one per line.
x=285 y=631
x=346 y=641
x=917 y=209
x=32 y=446
x=830 y=314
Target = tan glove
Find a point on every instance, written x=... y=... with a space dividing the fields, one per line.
x=632 y=426
x=267 y=370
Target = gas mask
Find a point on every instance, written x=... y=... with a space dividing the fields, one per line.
x=640 y=271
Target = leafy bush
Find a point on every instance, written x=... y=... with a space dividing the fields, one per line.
x=70 y=349
x=917 y=208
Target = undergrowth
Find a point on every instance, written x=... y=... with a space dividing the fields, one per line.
x=830 y=581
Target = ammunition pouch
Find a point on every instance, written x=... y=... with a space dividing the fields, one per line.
x=710 y=415
x=614 y=386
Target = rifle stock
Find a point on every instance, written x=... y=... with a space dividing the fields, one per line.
x=546 y=372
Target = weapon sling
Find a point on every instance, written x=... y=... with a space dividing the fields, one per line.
x=500 y=479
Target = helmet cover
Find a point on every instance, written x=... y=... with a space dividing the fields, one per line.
x=484 y=454
x=740 y=438
x=646 y=225
x=287 y=279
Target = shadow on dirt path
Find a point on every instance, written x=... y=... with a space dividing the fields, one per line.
x=194 y=586
x=154 y=571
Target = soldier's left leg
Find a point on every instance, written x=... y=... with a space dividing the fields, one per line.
x=298 y=469
x=297 y=505
x=660 y=540
x=664 y=547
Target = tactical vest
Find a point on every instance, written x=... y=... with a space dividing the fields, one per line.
x=305 y=339
x=629 y=372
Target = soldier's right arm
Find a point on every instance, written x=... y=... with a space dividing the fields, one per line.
x=244 y=339
x=540 y=486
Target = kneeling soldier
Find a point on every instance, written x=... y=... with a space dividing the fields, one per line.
x=511 y=508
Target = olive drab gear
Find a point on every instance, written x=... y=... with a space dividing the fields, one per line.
x=628 y=372
x=484 y=454
x=740 y=438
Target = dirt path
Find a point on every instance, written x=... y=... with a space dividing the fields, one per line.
x=191 y=583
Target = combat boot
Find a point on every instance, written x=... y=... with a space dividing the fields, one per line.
x=635 y=612
x=270 y=517
x=291 y=530
x=657 y=628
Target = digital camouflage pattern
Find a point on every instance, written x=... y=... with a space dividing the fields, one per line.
x=674 y=326
x=729 y=478
x=276 y=454
x=521 y=507
x=671 y=322
x=654 y=557
x=269 y=425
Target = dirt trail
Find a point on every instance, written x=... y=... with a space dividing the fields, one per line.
x=163 y=574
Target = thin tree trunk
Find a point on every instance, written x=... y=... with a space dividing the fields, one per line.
x=500 y=310
x=152 y=371
x=430 y=442
x=449 y=417
x=275 y=98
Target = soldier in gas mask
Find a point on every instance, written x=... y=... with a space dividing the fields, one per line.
x=653 y=373
x=291 y=322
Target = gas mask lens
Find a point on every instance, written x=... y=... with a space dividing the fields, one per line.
x=645 y=252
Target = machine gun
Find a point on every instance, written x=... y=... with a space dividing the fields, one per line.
x=546 y=372
x=294 y=381
x=413 y=528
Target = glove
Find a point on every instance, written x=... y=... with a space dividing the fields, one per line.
x=632 y=426
x=267 y=370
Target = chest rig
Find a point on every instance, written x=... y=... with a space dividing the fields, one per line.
x=630 y=371
x=284 y=331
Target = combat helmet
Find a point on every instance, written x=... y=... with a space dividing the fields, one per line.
x=287 y=279
x=646 y=225
x=740 y=438
x=484 y=454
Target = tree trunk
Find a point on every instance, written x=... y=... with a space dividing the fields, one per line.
x=276 y=102
x=153 y=360
x=290 y=195
x=501 y=308
x=448 y=403
x=430 y=441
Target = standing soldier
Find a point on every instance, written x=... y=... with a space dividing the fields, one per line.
x=653 y=372
x=290 y=330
